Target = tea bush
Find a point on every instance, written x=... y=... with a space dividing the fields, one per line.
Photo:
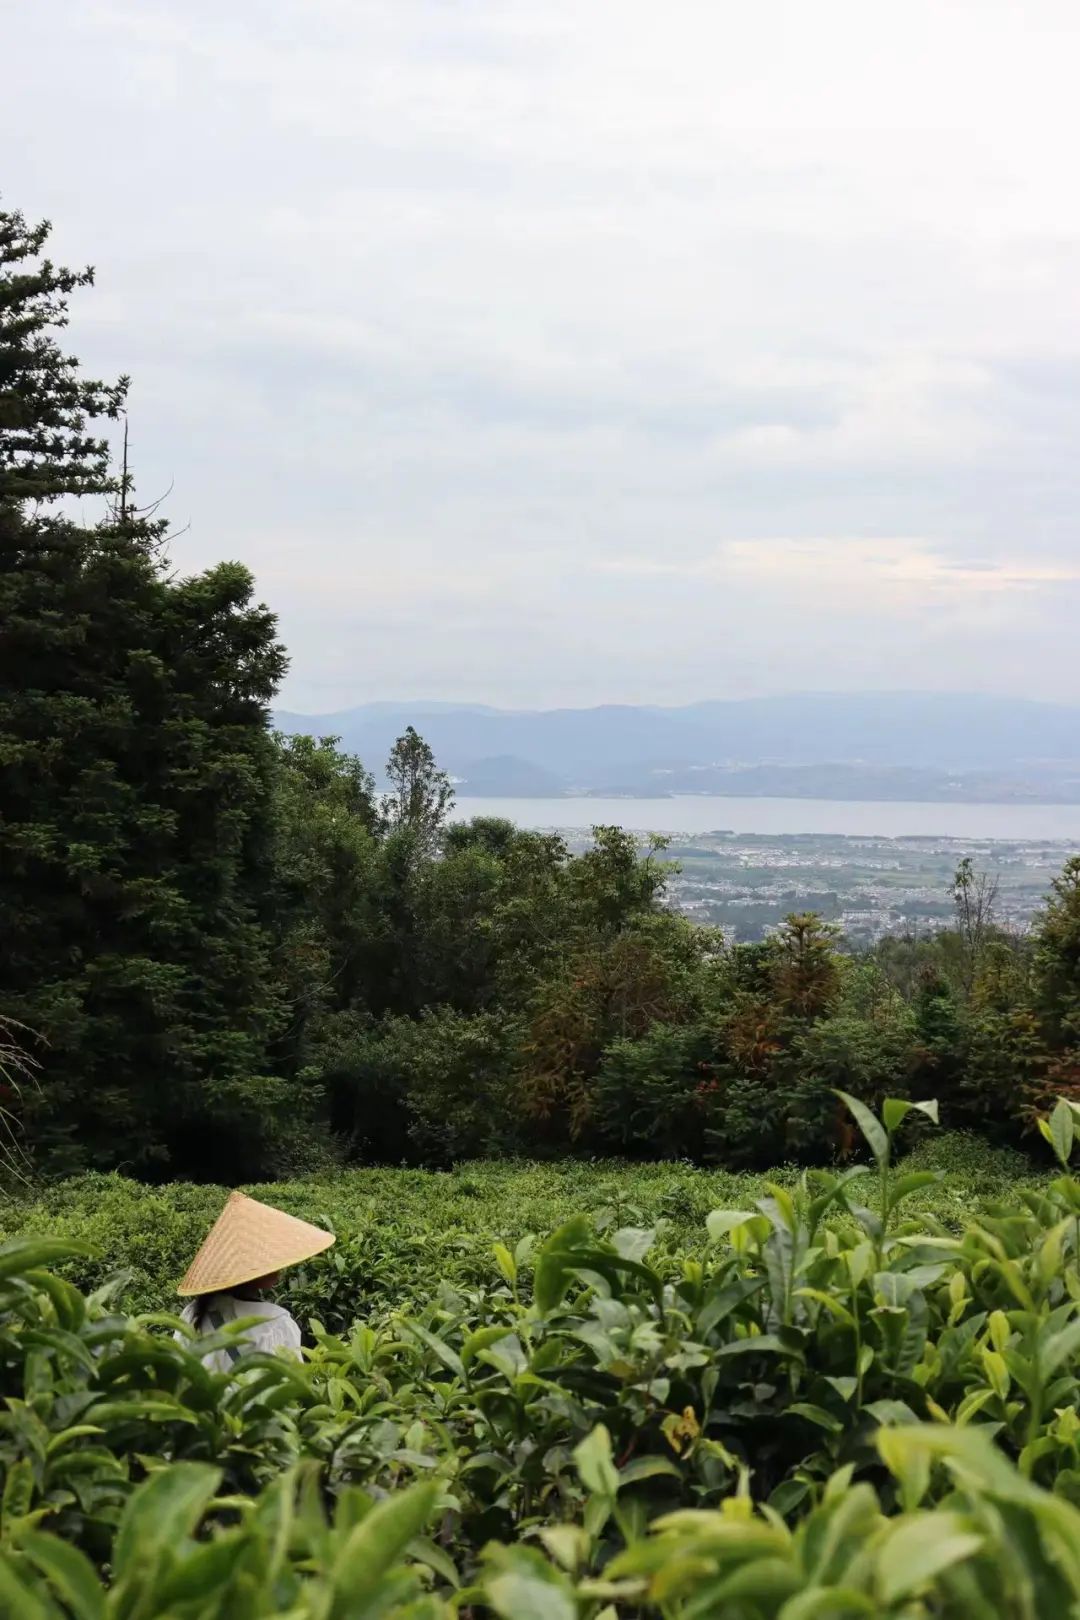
x=822 y=1404
x=397 y=1228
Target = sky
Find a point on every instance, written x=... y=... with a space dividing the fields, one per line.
x=563 y=353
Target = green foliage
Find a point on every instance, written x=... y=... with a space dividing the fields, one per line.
x=238 y=959
x=1057 y=957
x=650 y=1095
x=420 y=794
x=134 y=844
x=46 y=450
x=398 y=1227
x=812 y=1412
x=137 y=769
x=611 y=988
x=447 y=1072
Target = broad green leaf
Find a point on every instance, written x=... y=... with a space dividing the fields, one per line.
x=914 y=1181
x=858 y=1262
x=378 y=1541
x=201 y=1573
x=17 y=1600
x=428 y=1552
x=1048 y=1261
x=633 y=1242
x=555 y=1261
x=647 y=1468
x=719 y=1306
x=818 y=1415
x=917 y=1550
x=831 y=1303
x=890 y=1413
x=971 y=1405
x=20 y=1255
x=445 y=1352
x=872 y=1128
x=567 y=1543
x=722 y=1221
x=868 y=1220
x=275 y=1515
x=507 y=1356
x=614 y=1269
x=595 y=1464
x=524 y=1586
x=69 y=1437
x=832 y=1603
x=67 y=1302
x=894 y=1111
x=751 y=1234
x=506 y=1263
x=893 y=1288
x=481 y=1339
x=836 y=1193
x=66 y=1345
x=789 y=1495
x=68 y=1571
x=1061 y=1131
x=784 y=1205
x=970 y=1447
x=997 y=1373
x=1059 y=1347
x=756 y=1344
x=759 y=1580
x=162 y=1511
x=18 y=1492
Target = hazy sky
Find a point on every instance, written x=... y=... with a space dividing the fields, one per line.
x=567 y=351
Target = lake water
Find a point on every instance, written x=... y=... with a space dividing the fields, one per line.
x=693 y=814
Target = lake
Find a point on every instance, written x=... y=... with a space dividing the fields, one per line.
x=693 y=814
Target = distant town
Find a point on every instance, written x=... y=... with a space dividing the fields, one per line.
x=746 y=883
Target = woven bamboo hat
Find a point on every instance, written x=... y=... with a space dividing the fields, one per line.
x=250 y=1240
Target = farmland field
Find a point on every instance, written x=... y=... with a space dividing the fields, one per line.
x=403 y=1229
x=832 y=1394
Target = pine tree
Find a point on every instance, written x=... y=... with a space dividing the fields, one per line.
x=137 y=781
x=421 y=796
x=46 y=449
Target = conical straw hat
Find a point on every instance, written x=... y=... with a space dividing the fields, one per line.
x=250 y=1240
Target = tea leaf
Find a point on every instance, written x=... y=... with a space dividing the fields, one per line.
x=917 y=1550
x=872 y=1129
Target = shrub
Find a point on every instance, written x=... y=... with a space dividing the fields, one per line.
x=827 y=1408
x=647 y=1098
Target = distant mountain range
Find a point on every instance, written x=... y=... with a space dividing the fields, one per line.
x=879 y=745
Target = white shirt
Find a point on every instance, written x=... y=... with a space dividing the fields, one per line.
x=275 y=1332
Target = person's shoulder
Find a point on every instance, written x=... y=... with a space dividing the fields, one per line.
x=264 y=1308
x=236 y=1308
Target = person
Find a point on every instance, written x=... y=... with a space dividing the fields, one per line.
x=243 y=1256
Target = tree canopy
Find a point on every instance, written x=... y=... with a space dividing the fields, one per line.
x=228 y=953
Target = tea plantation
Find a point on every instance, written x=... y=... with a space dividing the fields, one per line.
x=562 y=1392
x=400 y=1230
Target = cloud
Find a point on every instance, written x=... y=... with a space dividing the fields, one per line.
x=902 y=574
x=445 y=317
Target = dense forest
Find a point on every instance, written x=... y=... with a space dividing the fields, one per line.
x=224 y=954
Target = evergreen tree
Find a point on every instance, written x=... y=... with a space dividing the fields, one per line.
x=420 y=794
x=137 y=763
x=1057 y=958
x=46 y=449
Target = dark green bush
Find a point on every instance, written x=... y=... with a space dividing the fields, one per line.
x=524 y=1432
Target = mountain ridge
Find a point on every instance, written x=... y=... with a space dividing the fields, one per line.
x=1010 y=748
